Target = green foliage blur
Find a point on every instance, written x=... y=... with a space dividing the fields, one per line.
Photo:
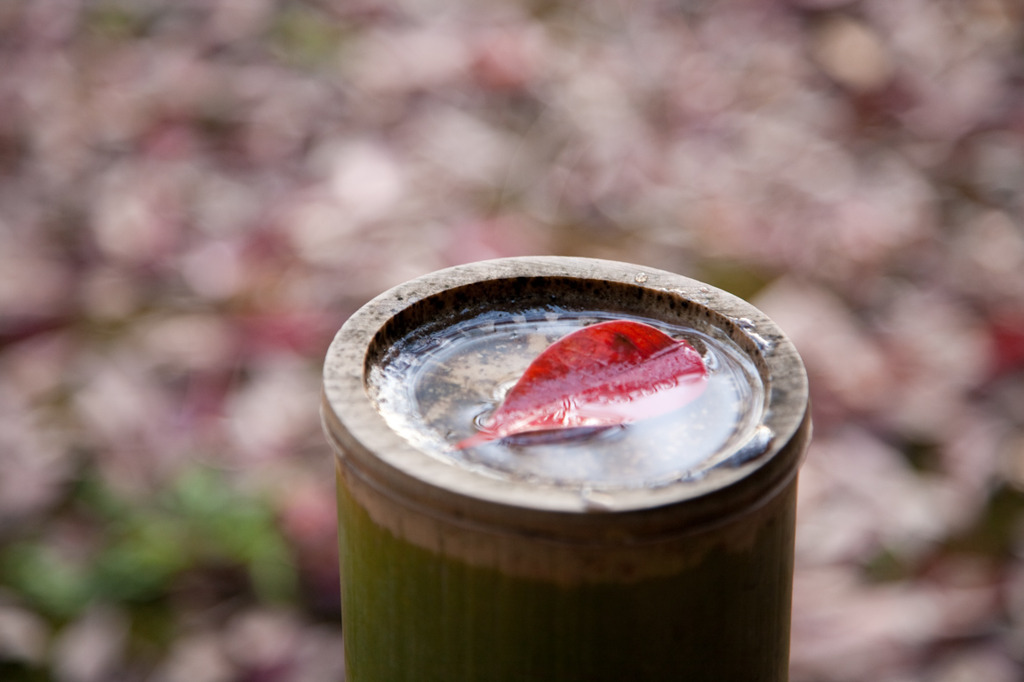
x=138 y=552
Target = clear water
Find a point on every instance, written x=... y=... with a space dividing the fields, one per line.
x=436 y=389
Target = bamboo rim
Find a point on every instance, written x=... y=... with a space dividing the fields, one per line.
x=387 y=467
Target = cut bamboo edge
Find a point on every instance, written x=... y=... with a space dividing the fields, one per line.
x=547 y=532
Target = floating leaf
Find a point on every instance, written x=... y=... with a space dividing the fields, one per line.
x=603 y=375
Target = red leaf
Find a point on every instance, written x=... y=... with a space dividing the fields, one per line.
x=603 y=375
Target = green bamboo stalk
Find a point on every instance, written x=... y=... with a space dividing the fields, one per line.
x=454 y=577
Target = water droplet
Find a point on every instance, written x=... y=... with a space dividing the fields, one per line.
x=763 y=343
x=641 y=277
x=596 y=501
x=711 y=361
x=755 y=446
x=502 y=388
x=480 y=420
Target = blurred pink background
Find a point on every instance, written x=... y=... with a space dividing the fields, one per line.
x=195 y=194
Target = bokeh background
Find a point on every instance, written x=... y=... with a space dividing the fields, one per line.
x=194 y=194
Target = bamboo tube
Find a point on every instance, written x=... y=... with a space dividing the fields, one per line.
x=458 y=574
